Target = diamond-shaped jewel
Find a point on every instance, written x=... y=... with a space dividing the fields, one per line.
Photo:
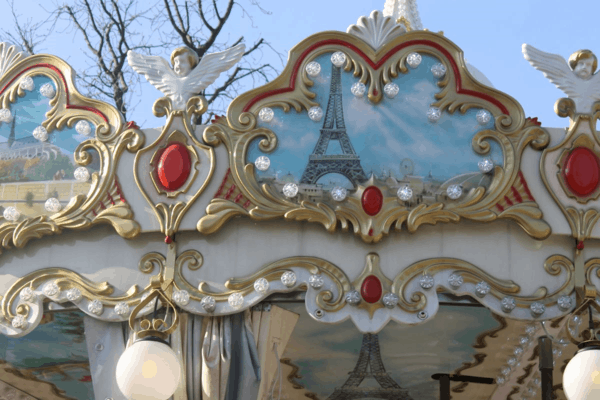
x=290 y=190
x=5 y=115
x=47 y=90
x=266 y=114
x=482 y=288
x=74 y=295
x=315 y=113
x=512 y=361
x=11 y=214
x=338 y=58
x=81 y=174
x=27 y=84
x=181 y=297
x=316 y=281
x=565 y=303
x=455 y=280
x=19 y=322
x=414 y=60
x=51 y=289
x=483 y=117
x=96 y=307
x=261 y=285
x=434 y=114
x=40 y=133
x=262 y=163
x=438 y=70
x=391 y=90
x=353 y=297
x=358 y=89
x=52 y=205
x=485 y=165
x=454 y=191
x=390 y=300
x=83 y=128
x=122 y=308
x=508 y=304
x=313 y=68
x=426 y=281
x=339 y=193
x=500 y=380
x=208 y=303
x=288 y=278
x=537 y=308
x=518 y=351
x=26 y=294
x=405 y=193
x=235 y=300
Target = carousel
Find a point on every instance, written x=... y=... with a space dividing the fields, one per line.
x=378 y=222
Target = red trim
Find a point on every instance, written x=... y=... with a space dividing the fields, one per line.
x=119 y=192
x=62 y=77
x=102 y=205
x=508 y=201
x=517 y=195
x=524 y=182
x=238 y=198
x=112 y=201
x=220 y=189
x=499 y=207
x=247 y=204
x=229 y=192
x=376 y=66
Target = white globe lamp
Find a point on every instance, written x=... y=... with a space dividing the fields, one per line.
x=581 y=379
x=148 y=370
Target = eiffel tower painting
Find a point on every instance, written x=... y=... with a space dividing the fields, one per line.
x=334 y=128
x=370 y=357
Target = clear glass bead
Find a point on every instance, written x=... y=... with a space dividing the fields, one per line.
x=358 y=89
x=391 y=90
x=565 y=303
x=315 y=113
x=485 y=165
x=235 y=300
x=47 y=90
x=19 y=322
x=26 y=294
x=414 y=60
x=290 y=190
x=508 y=304
x=51 y=289
x=262 y=163
x=122 y=308
x=353 y=297
x=426 y=281
x=338 y=58
x=339 y=193
x=313 y=68
x=556 y=352
x=52 y=205
x=454 y=191
x=438 y=70
x=27 y=84
x=390 y=300
x=455 y=280
x=288 y=278
x=74 y=295
x=483 y=117
x=208 y=303
x=563 y=342
x=5 y=115
x=530 y=329
x=316 y=281
x=524 y=340
x=266 y=114
x=500 y=380
x=40 y=133
x=518 y=351
x=505 y=371
x=512 y=361
x=537 y=382
x=434 y=114
x=405 y=193
x=576 y=320
x=181 y=297
x=96 y=307
x=83 y=128
x=11 y=214
x=82 y=174
x=482 y=289
x=261 y=285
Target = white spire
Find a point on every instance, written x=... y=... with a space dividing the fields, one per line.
x=404 y=12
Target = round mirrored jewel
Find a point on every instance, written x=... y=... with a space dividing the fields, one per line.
x=19 y=322
x=11 y=214
x=5 y=115
x=390 y=300
x=181 y=297
x=81 y=174
x=405 y=193
x=51 y=289
x=235 y=300
x=508 y=304
x=266 y=114
x=83 y=128
x=565 y=303
x=40 y=133
x=290 y=190
x=438 y=70
x=338 y=193
x=52 y=205
x=74 y=295
x=482 y=289
x=338 y=58
x=483 y=117
x=96 y=307
x=426 y=281
x=358 y=89
x=537 y=308
x=434 y=114
x=26 y=294
x=261 y=285
x=454 y=191
x=391 y=90
x=208 y=303
x=455 y=280
x=485 y=165
x=262 y=163
x=27 y=84
x=47 y=90
x=288 y=278
x=316 y=281
x=315 y=113
x=353 y=297
x=122 y=308
x=414 y=60
x=313 y=68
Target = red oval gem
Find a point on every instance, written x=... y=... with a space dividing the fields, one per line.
x=371 y=289
x=174 y=166
x=582 y=171
x=372 y=200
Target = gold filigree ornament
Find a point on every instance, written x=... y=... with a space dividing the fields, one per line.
x=170 y=206
x=506 y=197
x=104 y=202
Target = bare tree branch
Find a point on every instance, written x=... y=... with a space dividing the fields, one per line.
x=28 y=34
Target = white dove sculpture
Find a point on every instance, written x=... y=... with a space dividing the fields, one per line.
x=188 y=77
x=576 y=78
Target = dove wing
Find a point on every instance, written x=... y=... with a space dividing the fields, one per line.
x=555 y=68
x=156 y=70
x=210 y=67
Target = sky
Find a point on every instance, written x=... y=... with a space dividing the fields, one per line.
x=489 y=32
